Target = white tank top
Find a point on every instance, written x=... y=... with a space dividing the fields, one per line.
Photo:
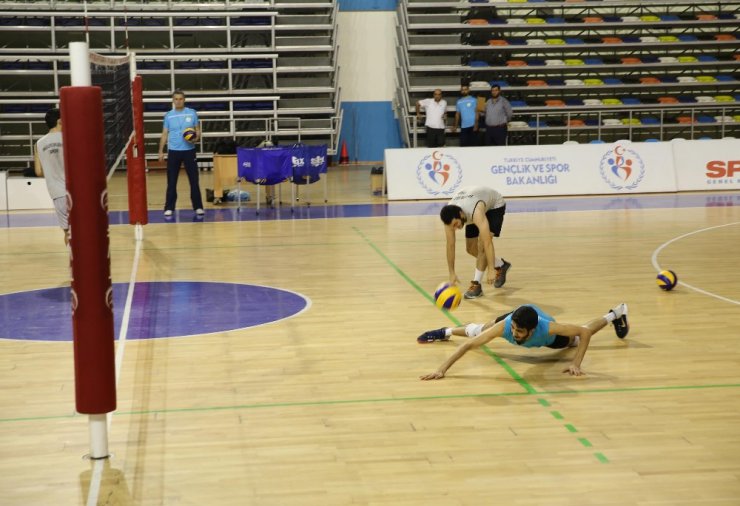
x=467 y=198
x=51 y=155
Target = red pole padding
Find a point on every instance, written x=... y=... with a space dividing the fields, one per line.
x=92 y=295
x=137 y=207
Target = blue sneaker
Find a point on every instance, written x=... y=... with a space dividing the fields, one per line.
x=433 y=335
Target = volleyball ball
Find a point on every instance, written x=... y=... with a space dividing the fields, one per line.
x=189 y=134
x=667 y=280
x=447 y=296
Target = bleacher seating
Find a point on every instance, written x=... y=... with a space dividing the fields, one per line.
x=610 y=68
x=252 y=70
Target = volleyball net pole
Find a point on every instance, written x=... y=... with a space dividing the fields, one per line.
x=81 y=109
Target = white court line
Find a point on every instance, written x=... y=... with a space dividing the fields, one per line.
x=97 y=472
x=660 y=248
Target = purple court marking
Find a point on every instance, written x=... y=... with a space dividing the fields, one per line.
x=416 y=208
x=158 y=309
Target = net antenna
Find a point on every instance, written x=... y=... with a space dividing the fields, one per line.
x=97 y=129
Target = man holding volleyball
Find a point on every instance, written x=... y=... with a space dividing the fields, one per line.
x=530 y=327
x=481 y=211
x=180 y=151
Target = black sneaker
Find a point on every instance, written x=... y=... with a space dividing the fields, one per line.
x=501 y=274
x=621 y=327
x=433 y=335
x=474 y=291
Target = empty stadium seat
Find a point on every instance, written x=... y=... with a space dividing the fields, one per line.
x=574 y=82
x=573 y=61
x=554 y=103
x=612 y=81
x=593 y=82
x=575 y=123
x=630 y=60
x=668 y=38
x=571 y=41
x=554 y=62
x=611 y=101
x=667 y=100
x=554 y=42
x=631 y=121
x=536 y=82
x=573 y=102
x=649 y=80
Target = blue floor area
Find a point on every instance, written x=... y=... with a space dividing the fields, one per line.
x=417 y=208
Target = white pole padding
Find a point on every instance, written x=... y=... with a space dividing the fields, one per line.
x=79 y=64
x=98 y=436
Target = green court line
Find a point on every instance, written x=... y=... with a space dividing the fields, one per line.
x=585 y=442
x=376 y=400
x=600 y=456
x=557 y=415
x=570 y=428
x=543 y=402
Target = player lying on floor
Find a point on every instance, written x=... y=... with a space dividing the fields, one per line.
x=530 y=327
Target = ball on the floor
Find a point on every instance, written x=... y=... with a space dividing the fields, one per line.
x=666 y=280
x=189 y=134
x=447 y=296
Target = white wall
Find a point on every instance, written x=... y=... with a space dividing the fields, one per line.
x=367 y=43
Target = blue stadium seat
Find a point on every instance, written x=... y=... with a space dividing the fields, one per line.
x=612 y=19
x=686 y=37
x=669 y=17
x=593 y=61
x=536 y=62
x=573 y=102
x=650 y=120
x=706 y=119
x=724 y=78
x=478 y=63
x=668 y=79
x=518 y=103
x=706 y=57
x=555 y=81
x=630 y=100
x=533 y=123
x=612 y=80
x=651 y=139
x=517 y=41
x=591 y=122
x=574 y=41
x=631 y=39
x=686 y=99
x=596 y=141
x=555 y=20
x=649 y=59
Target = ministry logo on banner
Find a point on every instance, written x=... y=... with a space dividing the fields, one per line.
x=622 y=168
x=439 y=174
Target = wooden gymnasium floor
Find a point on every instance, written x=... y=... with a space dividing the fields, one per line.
x=326 y=408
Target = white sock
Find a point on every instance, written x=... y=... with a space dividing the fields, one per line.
x=575 y=342
x=473 y=329
x=478 y=275
x=448 y=332
x=498 y=262
x=610 y=317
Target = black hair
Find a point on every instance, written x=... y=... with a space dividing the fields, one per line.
x=525 y=317
x=449 y=213
x=178 y=91
x=52 y=117
x=496 y=86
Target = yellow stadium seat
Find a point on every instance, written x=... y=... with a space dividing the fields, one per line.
x=633 y=121
x=687 y=59
x=554 y=41
x=593 y=82
x=611 y=101
x=724 y=98
x=535 y=21
x=668 y=38
x=649 y=19
x=574 y=61
x=705 y=79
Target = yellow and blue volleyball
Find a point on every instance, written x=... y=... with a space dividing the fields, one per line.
x=447 y=296
x=667 y=280
x=189 y=134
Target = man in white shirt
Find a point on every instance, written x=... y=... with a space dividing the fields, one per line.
x=49 y=163
x=436 y=110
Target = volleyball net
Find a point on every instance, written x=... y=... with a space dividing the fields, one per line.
x=102 y=125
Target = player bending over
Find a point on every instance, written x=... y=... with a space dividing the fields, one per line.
x=530 y=327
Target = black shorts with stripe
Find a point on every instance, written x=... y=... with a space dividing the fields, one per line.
x=495 y=222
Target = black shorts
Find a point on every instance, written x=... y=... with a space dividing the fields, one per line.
x=495 y=222
x=560 y=342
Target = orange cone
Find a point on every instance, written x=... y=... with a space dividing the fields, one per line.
x=344 y=156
